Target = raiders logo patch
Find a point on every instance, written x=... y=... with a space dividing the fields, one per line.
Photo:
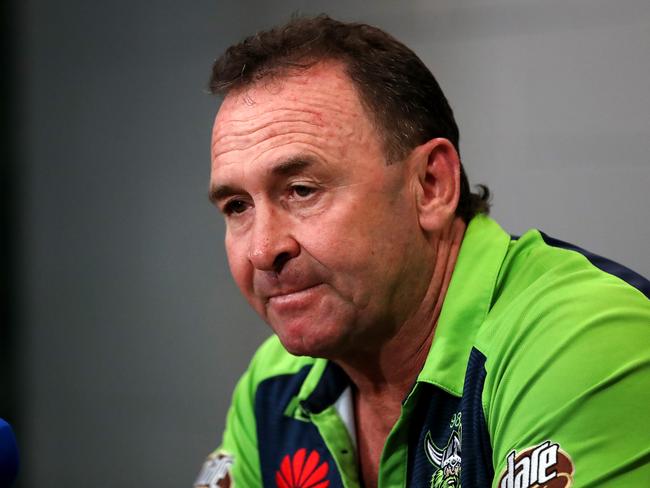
x=215 y=472
x=541 y=466
x=446 y=460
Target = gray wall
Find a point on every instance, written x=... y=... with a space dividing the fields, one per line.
x=132 y=335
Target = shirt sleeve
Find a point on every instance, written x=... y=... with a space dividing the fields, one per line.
x=236 y=462
x=567 y=403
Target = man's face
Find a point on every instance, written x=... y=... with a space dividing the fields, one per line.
x=322 y=235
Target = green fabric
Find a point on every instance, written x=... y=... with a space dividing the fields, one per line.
x=239 y=438
x=568 y=360
x=338 y=441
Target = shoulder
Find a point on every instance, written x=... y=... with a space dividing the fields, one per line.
x=554 y=293
x=271 y=365
x=567 y=357
x=555 y=309
x=239 y=451
x=272 y=360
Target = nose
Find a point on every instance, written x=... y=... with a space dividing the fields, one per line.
x=271 y=243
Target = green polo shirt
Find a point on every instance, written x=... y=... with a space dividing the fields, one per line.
x=538 y=375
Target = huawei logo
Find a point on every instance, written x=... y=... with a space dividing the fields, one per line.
x=302 y=471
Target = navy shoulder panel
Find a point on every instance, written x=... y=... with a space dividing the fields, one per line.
x=477 y=449
x=289 y=448
x=626 y=274
x=449 y=444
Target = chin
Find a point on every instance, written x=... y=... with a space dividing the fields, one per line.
x=305 y=341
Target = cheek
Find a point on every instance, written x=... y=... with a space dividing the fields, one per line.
x=370 y=243
x=352 y=235
x=240 y=267
x=347 y=254
x=333 y=243
x=242 y=273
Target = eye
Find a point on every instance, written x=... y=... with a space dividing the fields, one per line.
x=302 y=191
x=235 y=207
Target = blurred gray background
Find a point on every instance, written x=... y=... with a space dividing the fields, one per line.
x=124 y=334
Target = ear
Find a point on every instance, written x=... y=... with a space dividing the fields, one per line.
x=437 y=166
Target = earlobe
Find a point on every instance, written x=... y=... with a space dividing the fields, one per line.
x=438 y=169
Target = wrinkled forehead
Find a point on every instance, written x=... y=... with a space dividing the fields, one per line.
x=294 y=84
x=322 y=95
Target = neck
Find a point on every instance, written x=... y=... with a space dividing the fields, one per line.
x=387 y=372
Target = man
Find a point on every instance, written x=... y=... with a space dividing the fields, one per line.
x=416 y=343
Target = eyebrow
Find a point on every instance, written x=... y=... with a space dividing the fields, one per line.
x=288 y=167
x=292 y=165
x=219 y=192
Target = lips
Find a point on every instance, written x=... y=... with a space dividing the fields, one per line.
x=291 y=294
x=290 y=283
x=294 y=301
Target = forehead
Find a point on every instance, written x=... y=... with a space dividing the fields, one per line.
x=318 y=108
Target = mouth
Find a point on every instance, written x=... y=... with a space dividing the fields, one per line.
x=294 y=299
